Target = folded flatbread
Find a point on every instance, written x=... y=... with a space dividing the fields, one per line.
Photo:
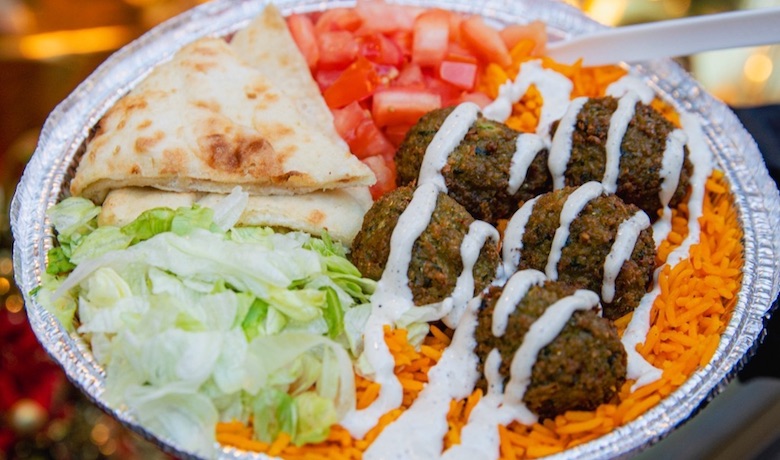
x=338 y=211
x=207 y=122
x=266 y=43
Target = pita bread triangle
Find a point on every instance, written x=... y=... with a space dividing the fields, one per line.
x=266 y=43
x=206 y=122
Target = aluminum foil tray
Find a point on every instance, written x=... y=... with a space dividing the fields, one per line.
x=62 y=141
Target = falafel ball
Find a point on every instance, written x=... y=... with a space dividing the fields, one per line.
x=591 y=237
x=436 y=261
x=642 y=150
x=478 y=170
x=583 y=367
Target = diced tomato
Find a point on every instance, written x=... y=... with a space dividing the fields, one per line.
x=460 y=74
x=302 y=31
x=431 y=37
x=346 y=120
x=387 y=73
x=411 y=76
x=460 y=53
x=380 y=49
x=535 y=31
x=355 y=125
x=338 y=19
x=384 y=170
x=326 y=78
x=479 y=98
x=403 y=39
x=485 y=41
x=403 y=105
x=379 y=16
x=369 y=141
x=396 y=133
x=448 y=93
x=356 y=83
x=338 y=49
x=455 y=20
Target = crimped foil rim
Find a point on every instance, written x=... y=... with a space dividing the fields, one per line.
x=67 y=127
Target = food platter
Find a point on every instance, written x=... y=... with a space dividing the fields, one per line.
x=63 y=137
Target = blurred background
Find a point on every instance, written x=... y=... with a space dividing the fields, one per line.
x=48 y=46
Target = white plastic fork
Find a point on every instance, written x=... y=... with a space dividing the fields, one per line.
x=671 y=38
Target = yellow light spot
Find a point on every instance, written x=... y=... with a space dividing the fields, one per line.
x=608 y=12
x=758 y=68
x=5 y=286
x=6 y=266
x=57 y=430
x=108 y=448
x=100 y=434
x=49 y=45
x=14 y=303
x=676 y=8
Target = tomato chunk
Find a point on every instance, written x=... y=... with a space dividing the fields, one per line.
x=346 y=120
x=338 y=49
x=355 y=125
x=456 y=52
x=326 y=78
x=485 y=41
x=460 y=74
x=396 y=134
x=403 y=106
x=379 y=16
x=411 y=76
x=381 y=50
x=338 y=19
x=403 y=38
x=448 y=93
x=369 y=141
x=302 y=31
x=431 y=37
x=384 y=170
x=356 y=83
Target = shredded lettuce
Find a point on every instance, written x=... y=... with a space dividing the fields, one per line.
x=196 y=321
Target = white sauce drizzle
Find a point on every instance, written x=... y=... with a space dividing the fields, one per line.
x=479 y=233
x=513 y=236
x=514 y=291
x=618 y=125
x=630 y=83
x=390 y=300
x=700 y=156
x=625 y=240
x=671 y=168
x=560 y=149
x=554 y=88
x=573 y=206
x=527 y=147
x=419 y=431
x=452 y=132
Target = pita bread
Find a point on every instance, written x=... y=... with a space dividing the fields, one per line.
x=266 y=43
x=206 y=122
x=339 y=211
